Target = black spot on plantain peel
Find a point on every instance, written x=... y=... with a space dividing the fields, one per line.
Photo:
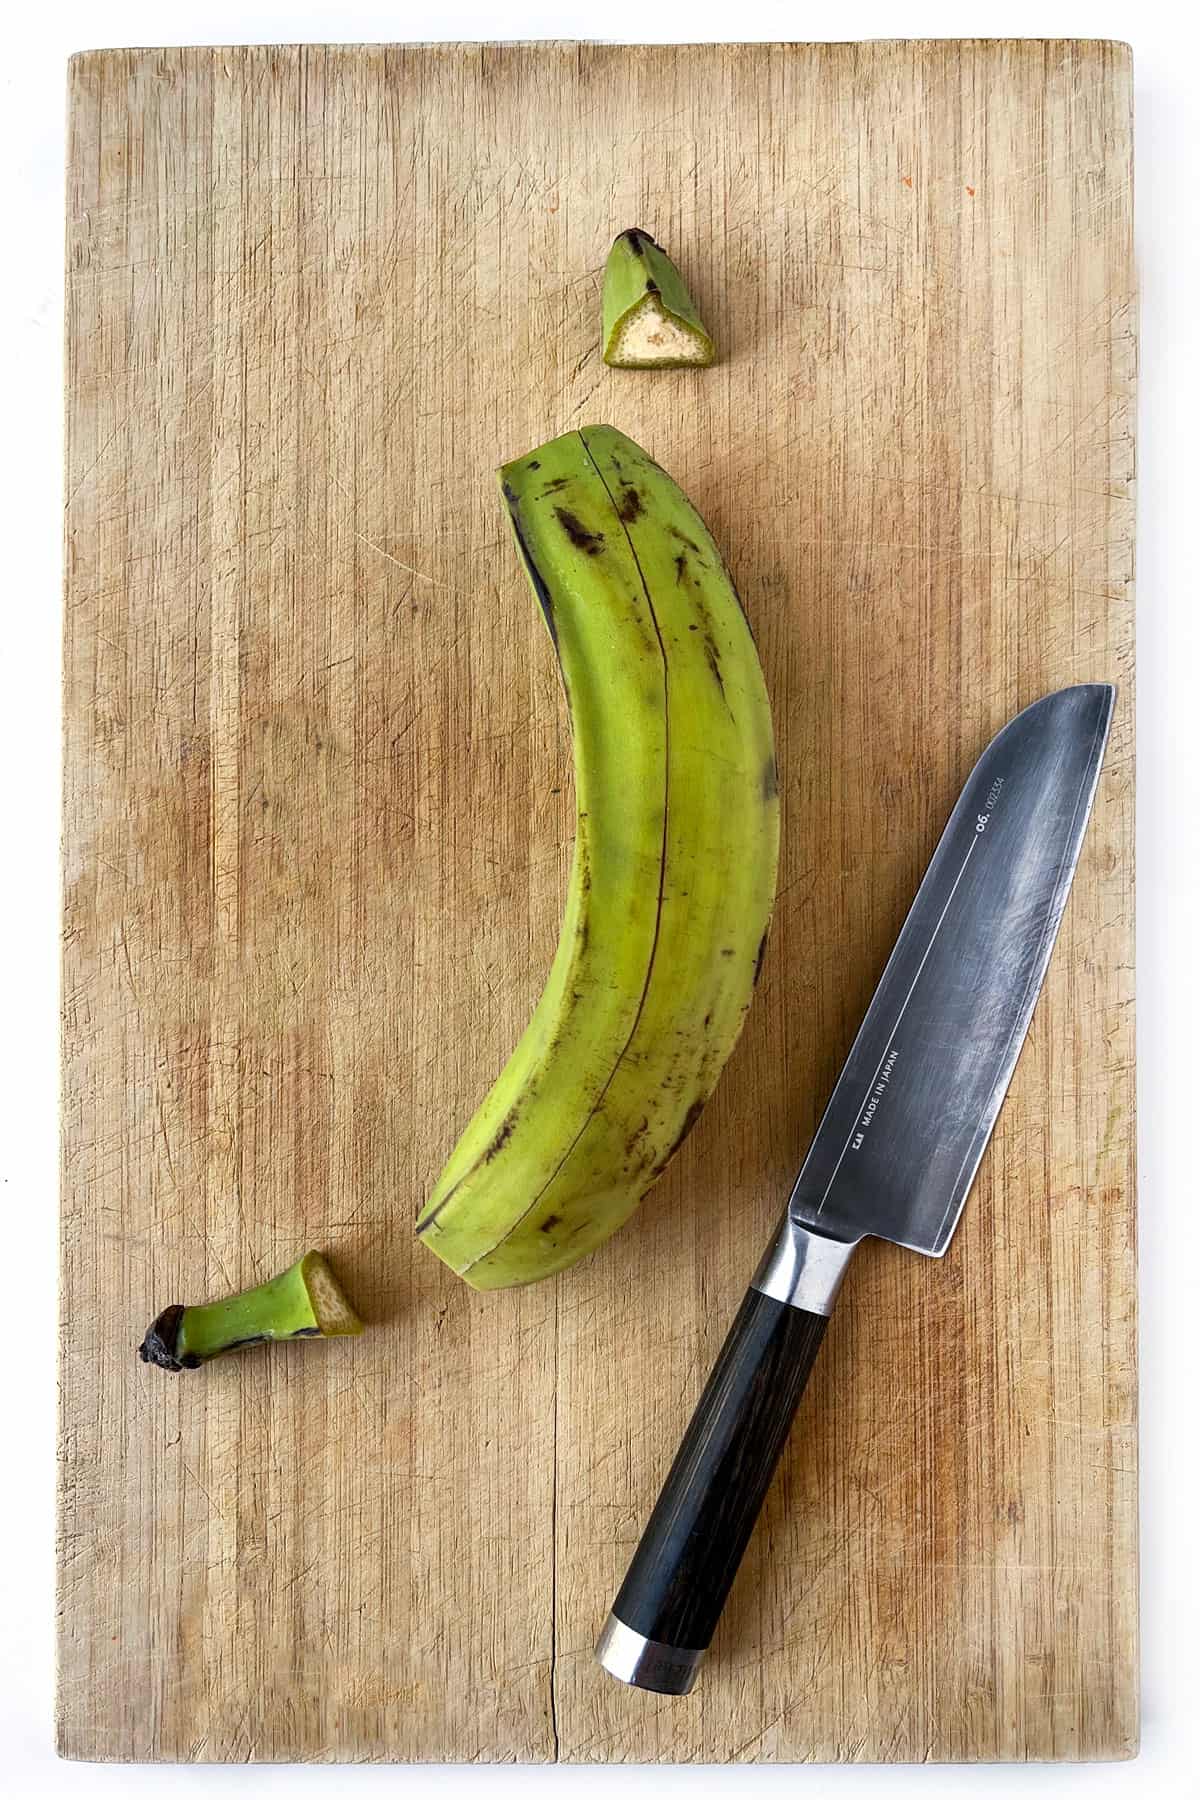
x=690 y=1120
x=502 y=1136
x=590 y=542
x=537 y=580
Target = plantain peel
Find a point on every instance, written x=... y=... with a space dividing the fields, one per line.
x=673 y=875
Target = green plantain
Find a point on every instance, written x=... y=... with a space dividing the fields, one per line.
x=673 y=875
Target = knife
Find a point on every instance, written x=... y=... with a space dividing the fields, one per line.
x=894 y=1157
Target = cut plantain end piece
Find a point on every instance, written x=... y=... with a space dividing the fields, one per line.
x=672 y=879
x=304 y=1301
x=650 y=319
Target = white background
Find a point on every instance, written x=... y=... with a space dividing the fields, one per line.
x=39 y=38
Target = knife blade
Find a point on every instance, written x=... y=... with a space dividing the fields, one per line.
x=893 y=1157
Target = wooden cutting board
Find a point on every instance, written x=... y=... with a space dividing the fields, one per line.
x=318 y=823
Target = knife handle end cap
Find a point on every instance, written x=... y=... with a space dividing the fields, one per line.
x=640 y=1662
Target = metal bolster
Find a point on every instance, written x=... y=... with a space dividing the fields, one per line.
x=803 y=1269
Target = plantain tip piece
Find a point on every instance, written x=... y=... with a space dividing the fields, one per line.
x=304 y=1301
x=650 y=320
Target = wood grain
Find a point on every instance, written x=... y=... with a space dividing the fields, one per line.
x=318 y=818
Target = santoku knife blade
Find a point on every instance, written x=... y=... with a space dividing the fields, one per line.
x=894 y=1156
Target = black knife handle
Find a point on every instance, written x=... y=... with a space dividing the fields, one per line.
x=689 y=1553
